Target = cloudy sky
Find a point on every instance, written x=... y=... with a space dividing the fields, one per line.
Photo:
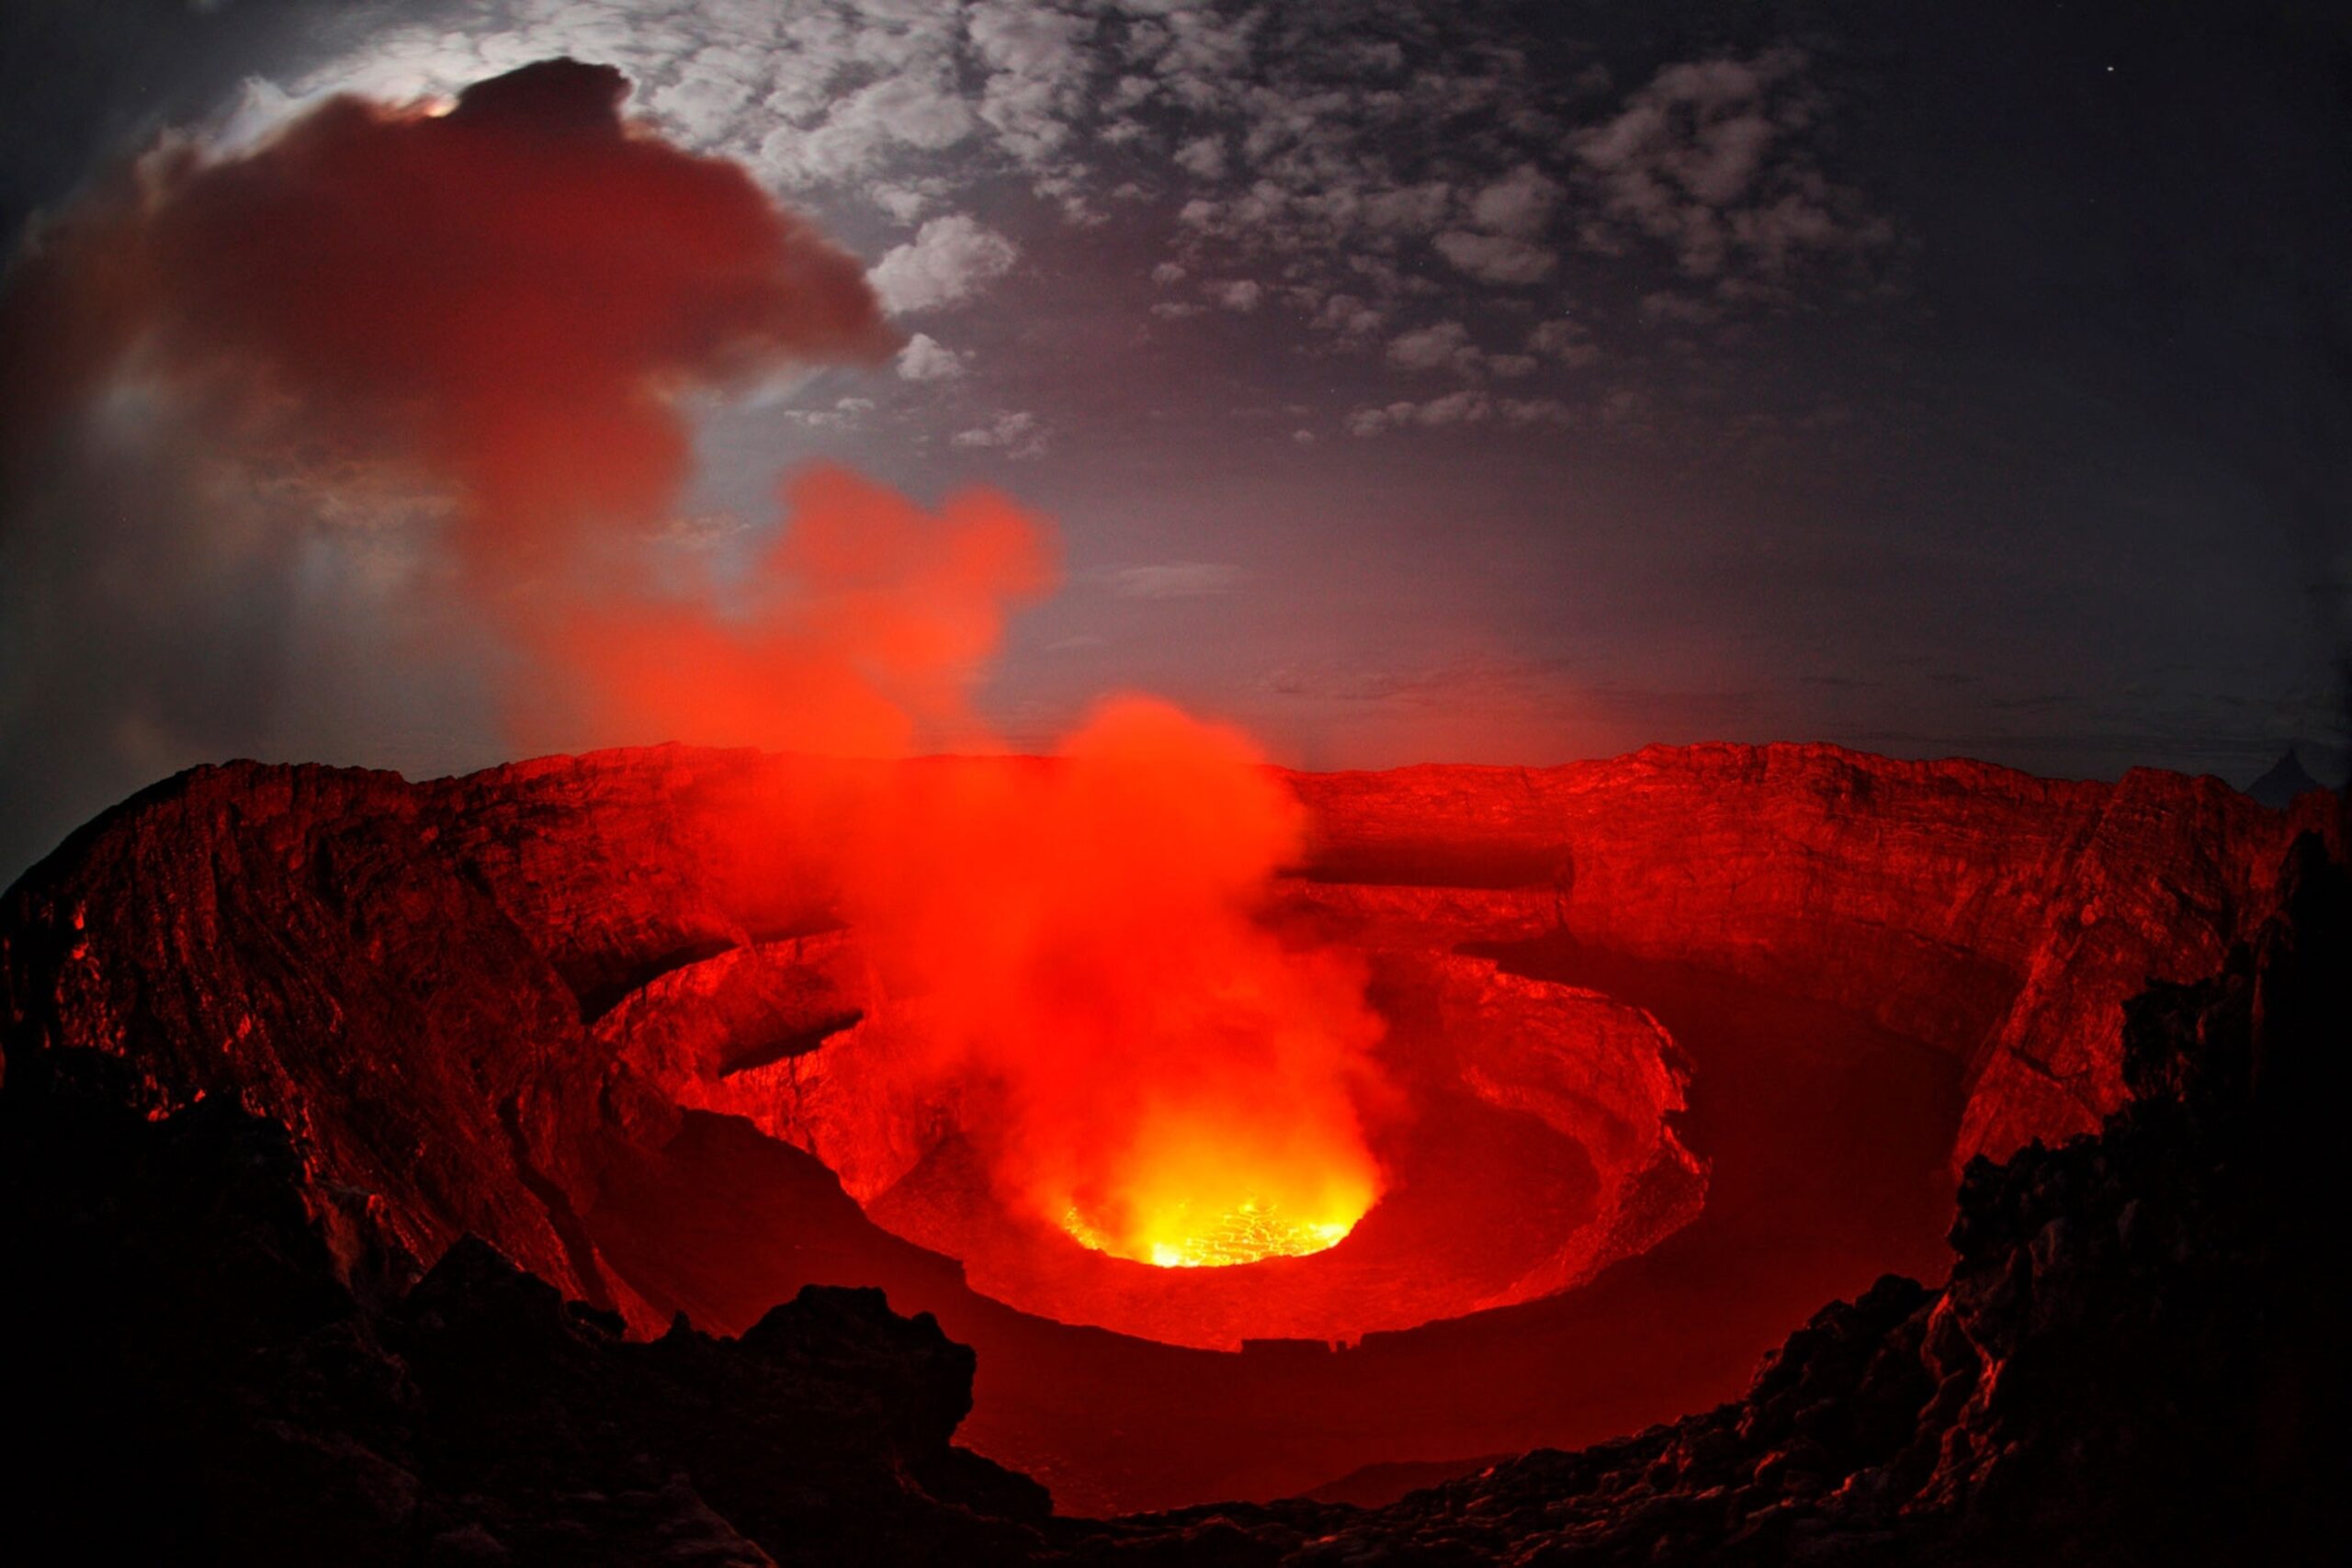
x=1407 y=382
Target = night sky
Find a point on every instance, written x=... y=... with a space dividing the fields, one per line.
x=1408 y=382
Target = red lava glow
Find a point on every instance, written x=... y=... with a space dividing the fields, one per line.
x=1139 y=1061
x=1185 y=1235
x=509 y=302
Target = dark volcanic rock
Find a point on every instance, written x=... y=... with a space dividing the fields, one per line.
x=190 y=1383
x=2286 y=782
x=292 y=940
x=2136 y=1357
x=276 y=1039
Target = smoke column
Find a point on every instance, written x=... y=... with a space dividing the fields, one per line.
x=482 y=318
x=1142 y=1061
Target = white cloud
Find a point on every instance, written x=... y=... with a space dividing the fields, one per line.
x=1472 y=407
x=1467 y=406
x=1710 y=158
x=907 y=199
x=1292 y=140
x=1439 y=347
x=926 y=359
x=1175 y=580
x=1414 y=208
x=1202 y=157
x=703 y=107
x=1456 y=408
x=1667 y=306
x=1017 y=434
x=1349 y=317
x=946 y=263
x=1036 y=77
x=1566 y=340
x=1518 y=204
x=863 y=128
x=1537 y=411
x=845 y=413
x=1242 y=296
x=1496 y=258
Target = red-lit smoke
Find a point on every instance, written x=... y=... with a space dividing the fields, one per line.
x=507 y=294
x=503 y=302
x=857 y=631
x=1142 y=1061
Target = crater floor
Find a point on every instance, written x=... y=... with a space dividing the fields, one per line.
x=1824 y=1134
x=428 y=987
x=1525 y=1134
x=1825 y=1137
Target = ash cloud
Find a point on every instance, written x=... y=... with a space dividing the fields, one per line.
x=351 y=444
x=430 y=363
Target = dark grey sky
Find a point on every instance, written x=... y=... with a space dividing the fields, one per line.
x=1408 y=382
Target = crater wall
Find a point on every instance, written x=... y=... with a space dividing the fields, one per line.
x=411 y=977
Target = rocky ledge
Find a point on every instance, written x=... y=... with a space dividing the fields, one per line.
x=410 y=977
x=191 y=1382
x=2134 y=1359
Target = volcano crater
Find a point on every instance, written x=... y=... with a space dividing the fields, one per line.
x=1528 y=1140
x=606 y=1014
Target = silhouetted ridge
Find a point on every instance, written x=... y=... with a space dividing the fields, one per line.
x=2287 y=780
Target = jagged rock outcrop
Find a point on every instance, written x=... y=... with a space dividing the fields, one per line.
x=2284 y=782
x=466 y=1001
x=296 y=942
x=2134 y=1359
x=409 y=977
x=191 y=1382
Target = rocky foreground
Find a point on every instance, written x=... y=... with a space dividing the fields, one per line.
x=2135 y=1358
x=283 y=1045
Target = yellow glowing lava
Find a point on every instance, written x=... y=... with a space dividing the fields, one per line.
x=1233 y=1175
x=1246 y=1233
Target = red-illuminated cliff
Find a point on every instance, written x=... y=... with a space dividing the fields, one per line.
x=1995 y=915
x=509 y=1004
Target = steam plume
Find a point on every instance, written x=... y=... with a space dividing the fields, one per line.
x=479 y=321
x=349 y=440
x=1143 y=1060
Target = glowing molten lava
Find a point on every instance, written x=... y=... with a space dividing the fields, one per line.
x=1227 y=1185
x=1133 y=1055
x=1251 y=1230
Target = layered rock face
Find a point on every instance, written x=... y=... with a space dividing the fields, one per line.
x=1995 y=915
x=297 y=942
x=461 y=998
x=2134 y=1358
